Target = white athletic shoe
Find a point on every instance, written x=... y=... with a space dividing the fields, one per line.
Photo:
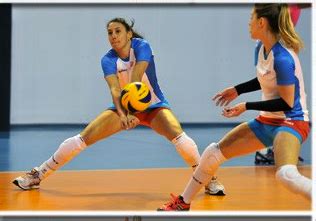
x=28 y=181
x=214 y=187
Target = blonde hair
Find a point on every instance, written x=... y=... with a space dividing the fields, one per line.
x=280 y=23
x=289 y=36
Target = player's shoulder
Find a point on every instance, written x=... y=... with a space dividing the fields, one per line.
x=139 y=42
x=109 y=57
x=282 y=54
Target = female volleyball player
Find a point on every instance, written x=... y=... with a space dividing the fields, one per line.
x=130 y=59
x=283 y=119
x=266 y=156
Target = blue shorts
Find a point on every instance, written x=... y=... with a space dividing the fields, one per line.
x=266 y=132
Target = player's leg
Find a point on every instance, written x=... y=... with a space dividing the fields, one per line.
x=106 y=124
x=239 y=141
x=286 y=151
x=167 y=125
x=233 y=143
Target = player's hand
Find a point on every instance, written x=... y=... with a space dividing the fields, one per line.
x=224 y=97
x=124 y=122
x=132 y=121
x=234 y=111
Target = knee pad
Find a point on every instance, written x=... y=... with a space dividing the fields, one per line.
x=290 y=177
x=70 y=148
x=211 y=159
x=187 y=149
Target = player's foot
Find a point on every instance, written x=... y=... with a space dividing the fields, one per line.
x=268 y=158
x=176 y=204
x=214 y=187
x=28 y=181
x=264 y=158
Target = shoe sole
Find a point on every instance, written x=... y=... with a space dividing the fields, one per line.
x=219 y=193
x=16 y=182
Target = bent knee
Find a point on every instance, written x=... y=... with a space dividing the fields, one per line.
x=287 y=174
x=211 y=158
x=290 y=177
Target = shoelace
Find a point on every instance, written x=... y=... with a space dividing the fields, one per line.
x=34 y=174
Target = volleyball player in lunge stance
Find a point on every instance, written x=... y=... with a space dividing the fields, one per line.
x=266 y=156
x=130 y=59
x=283 y=121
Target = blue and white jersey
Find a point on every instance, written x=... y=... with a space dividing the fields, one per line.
x=140 y=51
x=281 y=67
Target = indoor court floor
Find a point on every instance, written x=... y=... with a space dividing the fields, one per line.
x=134 y=171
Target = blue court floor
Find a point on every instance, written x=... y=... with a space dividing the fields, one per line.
x=27 y=146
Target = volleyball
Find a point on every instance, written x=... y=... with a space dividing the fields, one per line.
x=135 y=97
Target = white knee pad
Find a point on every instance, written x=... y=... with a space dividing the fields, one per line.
x=187 y=149
x=289 y=176
x=211 y=159
x=70 y=148
x=66 y=151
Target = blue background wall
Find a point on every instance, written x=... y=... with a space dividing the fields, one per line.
x=199 y=50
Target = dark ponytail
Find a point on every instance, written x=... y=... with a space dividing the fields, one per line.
x=128 y=27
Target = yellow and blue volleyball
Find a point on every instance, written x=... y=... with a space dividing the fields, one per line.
x=135 y=97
